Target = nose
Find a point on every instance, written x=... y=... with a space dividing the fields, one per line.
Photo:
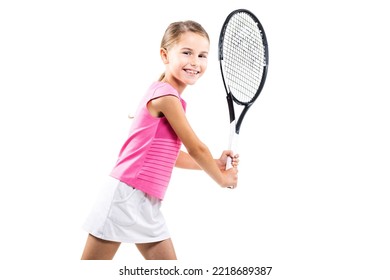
x=194 y=61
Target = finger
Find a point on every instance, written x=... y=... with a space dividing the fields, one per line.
x=229 y=153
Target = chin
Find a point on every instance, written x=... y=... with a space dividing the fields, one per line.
x=192 y=81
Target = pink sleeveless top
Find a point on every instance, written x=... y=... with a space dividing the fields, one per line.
x=149 y=154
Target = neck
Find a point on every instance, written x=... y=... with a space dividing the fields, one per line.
x=179 y=86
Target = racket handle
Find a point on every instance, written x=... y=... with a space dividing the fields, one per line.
x=233 y=141
x=229 y=163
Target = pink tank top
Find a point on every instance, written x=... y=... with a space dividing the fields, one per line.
x=148 y=156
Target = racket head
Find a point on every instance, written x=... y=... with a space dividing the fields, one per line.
x=243 y=56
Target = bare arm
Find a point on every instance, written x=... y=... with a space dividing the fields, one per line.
x=172 y=109
x=184 y=160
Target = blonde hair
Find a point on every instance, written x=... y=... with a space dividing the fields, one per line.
x=175 y=30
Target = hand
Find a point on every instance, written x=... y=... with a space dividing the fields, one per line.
x=231 y=174
x=221 y=162
x=231 y=177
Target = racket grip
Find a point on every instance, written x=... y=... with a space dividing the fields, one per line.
x=229 y=163
x=233 y=141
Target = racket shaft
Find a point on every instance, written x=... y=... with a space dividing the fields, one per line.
x=233 y=143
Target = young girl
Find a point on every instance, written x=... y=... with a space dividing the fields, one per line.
x=129 y=210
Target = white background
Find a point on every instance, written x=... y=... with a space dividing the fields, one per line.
x=312 y=200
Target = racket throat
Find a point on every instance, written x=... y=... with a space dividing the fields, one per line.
x=232 y=116
x=229 y=99
x=242 y=115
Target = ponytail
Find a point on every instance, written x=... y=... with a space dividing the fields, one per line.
x=161 y=77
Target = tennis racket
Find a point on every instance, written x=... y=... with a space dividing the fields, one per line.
x=243 y=57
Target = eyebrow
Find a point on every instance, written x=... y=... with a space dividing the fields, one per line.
x=189 y=49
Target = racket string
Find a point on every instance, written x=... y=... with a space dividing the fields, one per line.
x=244 y=57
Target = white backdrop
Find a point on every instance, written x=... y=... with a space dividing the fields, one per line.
x=312 y=200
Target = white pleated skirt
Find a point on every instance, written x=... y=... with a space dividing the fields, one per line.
x=125 y=214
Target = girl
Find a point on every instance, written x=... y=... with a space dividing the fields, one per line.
x=129 y=210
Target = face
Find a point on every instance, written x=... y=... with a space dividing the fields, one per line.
x=186 y=61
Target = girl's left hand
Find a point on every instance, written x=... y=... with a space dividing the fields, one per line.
x=223 y=159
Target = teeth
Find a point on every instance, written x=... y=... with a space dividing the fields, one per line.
x=192 y=72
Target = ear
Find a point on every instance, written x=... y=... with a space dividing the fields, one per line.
x=164 y=55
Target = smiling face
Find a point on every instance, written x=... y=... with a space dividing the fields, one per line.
x=185 y=61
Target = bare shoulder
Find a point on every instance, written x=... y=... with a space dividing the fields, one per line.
x=165 y=105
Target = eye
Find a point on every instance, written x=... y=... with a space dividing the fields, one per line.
x=203 y=56
x=187 y=53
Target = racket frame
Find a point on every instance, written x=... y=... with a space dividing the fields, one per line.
x=235 y=125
